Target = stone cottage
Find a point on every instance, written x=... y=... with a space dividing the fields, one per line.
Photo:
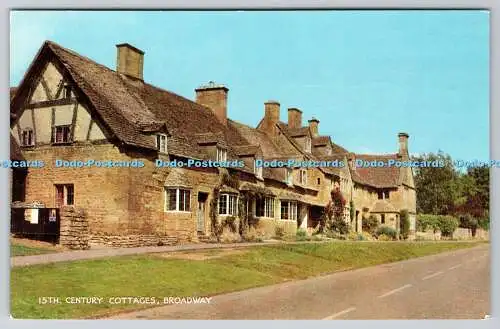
x=70 y=111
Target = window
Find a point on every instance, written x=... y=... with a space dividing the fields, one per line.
x=382 y=218
x=61 y=134
x=66 y=91
x=221 y=154
x=264 y=207
x=380 y=195
x=161 y=143
x=319 y=181
x=303 y=176
x=307 y=145
x=27 y=137
x=289 y=176
x=228 y=204
x=386 y=194
x=288 y=210
x=257 y=170
x=177 y=199
x=65 y=195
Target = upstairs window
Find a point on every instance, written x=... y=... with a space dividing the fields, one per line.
x=66 y=91
x=221 y=154
x=257 y=170
x=27 y=137
x=386 y=194
x=307 y=145
x=65 y=195
x=61 y=134
x=161 y=143
x=177 y=199
x=289 y=176
x=303 y=176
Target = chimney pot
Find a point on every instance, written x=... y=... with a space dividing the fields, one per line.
x=214 y=96
x=130 y=60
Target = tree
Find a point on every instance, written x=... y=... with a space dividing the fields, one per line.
x=437 y=188
x=404 y=224
x=333 y=214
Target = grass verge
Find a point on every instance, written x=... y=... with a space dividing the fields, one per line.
x=22 y=250
x=157 y=276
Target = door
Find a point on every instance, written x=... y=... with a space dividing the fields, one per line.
x=201 y=217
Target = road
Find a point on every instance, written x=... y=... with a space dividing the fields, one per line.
x=452 y=285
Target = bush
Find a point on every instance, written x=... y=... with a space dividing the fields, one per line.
x=388 y=231
x=279 y=232
x=484 y=223
x=370 y=224
x=358 y=236
x=384 y=237
x=339 y=225
x=425 y=222
x=404 y=224
x=447 y=225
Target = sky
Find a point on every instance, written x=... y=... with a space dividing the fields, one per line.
x=366 y=75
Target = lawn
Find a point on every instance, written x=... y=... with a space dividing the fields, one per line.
x=162 y=275
x=22 y=250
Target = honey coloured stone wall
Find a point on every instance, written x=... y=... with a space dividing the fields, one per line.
x=74 y=229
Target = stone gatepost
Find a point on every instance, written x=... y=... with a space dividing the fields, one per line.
x=74 y=231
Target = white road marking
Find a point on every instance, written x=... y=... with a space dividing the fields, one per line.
x=432 y=275
x=454 y=267
x=336 y=315
x=395 y=291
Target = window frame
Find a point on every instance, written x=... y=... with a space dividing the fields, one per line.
x=221 y=155
x=307 y=144
x=258 y=171
x=289 y=176
x=67 y=190
x=178 y=191
x=158 y=143
x=268 y=207
x=31 y=137
x=54 y=134
x=303 y=176
x=292 y=210
x=231 y=204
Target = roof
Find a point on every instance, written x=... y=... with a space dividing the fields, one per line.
x=133 y=109
x=383 y=206
x=12 y=91
x=379 y=177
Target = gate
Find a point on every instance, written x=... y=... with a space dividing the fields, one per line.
x=36 y=223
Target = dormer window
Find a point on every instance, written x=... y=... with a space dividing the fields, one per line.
x=257 y=170
x=289 y=176
x=303 y=176
x=221 y=154
x=307 y=145
x=27 y=137
x=161 y=143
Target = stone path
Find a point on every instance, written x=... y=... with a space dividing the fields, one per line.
x=68 y=256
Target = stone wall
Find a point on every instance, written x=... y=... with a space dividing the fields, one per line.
x=131 y=240
x=74 y=231
x=459 y=234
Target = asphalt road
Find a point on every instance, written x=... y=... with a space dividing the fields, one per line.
x=452 y=285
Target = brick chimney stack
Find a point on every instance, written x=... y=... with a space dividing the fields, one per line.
x=129 y=61
x=271 y=117
x=403 y=144
x=314 y=126
x=214 y=96
x=294 y=118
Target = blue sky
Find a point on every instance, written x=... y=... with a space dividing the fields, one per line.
x=366 y=75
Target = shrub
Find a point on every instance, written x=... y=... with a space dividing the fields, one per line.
x=279 y=232
x=447 y=225
x=338 y=224
x=386 y=230
x=370 y=224
x=425 y=222
x=384 y=237
x=301 y=233
x=484 y=223
x=358 y=236
x=404 y=224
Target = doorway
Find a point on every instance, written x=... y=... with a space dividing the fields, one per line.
x=200 y=216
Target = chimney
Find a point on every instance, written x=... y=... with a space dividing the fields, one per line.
x=294 y=118
x=214 y=96
x=271 y=117
x=313 y=126
x=403 y=144
x=129 y=61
